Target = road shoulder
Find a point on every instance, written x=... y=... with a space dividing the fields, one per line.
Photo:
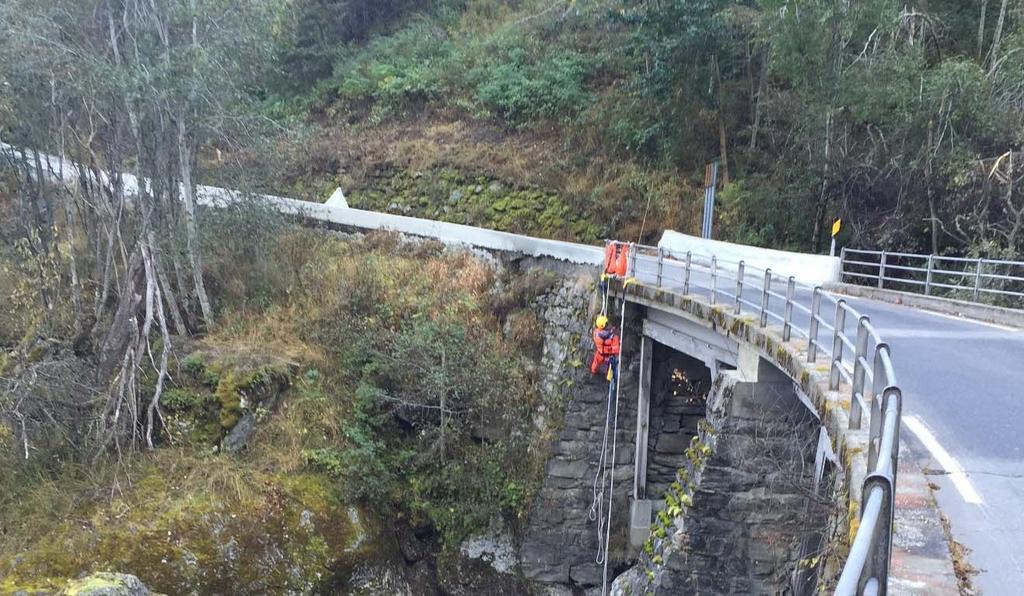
x=921 y=559
x=985 y=313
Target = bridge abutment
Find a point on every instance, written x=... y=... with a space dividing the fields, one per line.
x=752 y=503
x=750 y=511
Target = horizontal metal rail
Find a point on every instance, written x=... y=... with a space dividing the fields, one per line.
x=857 y=358
x=998 y=281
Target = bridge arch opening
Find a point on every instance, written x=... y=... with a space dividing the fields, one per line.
x=678 y=401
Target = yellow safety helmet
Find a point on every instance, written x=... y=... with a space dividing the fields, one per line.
x=602 y=322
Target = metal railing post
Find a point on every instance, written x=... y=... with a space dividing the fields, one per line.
x=837 y=345
x=860 y=359
x=881 y=271
x=632 y=260
x=928 y=276
x=787 y=322
x=812 y=330
x=714 y=278
x=686 y=275
x=661 y=264
x=879 y=379
x=739 y=287
x=764 y=297
x=977 y=280
x=842 y=262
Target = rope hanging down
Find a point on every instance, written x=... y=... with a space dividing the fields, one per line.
x=615 y=429
x=597 y=504
x=596 y=512
x=606 y=467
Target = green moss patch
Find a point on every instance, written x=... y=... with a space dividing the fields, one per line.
x=274 y=533
x=449 y=195
x=215 y=388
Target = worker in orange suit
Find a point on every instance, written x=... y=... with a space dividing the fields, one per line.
x=606 y=349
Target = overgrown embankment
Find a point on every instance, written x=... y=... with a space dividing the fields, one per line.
x=362 y=407
x=446 y=194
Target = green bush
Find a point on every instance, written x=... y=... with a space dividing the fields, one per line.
x=396 y=72
x=520 y=80
x=183 y=400
x=328 y=460
x=508 y=74
x=196 y=367
x=440 y=423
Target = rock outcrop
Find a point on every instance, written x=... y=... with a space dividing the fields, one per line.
x=107 y=584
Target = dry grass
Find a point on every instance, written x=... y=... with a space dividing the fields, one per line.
x=961 y=566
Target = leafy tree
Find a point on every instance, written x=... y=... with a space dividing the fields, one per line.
x=314 y=33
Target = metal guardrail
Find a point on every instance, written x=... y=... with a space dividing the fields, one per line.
x=975 y=280
x=858 y=358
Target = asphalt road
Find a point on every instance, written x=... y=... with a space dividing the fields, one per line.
x=963 y=414
x=964 y=382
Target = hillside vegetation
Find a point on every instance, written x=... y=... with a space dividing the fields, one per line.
x=887 y=114
x=346 y=402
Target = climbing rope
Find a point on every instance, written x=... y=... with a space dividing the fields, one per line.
x=615 y=429
x=596 y=512
x=597 y=504
x=606 y=468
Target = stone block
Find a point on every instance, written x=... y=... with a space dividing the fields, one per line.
x=587 y=574
x=561 y=468
x=672 y=443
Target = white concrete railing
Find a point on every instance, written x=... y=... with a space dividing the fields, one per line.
x=64 y=170
x=807 y=268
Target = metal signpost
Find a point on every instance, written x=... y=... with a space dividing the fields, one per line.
x=838 y=223
x=710 y=181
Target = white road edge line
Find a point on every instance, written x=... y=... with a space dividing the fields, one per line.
x=949 y=463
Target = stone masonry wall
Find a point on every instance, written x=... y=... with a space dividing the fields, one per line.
x=560 y=542
x=748 y=508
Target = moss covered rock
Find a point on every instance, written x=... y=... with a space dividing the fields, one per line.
x=106 y=584
x=206 y=527
x=221 y=394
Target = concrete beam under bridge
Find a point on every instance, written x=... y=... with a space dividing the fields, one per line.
x=691 y=338
x=687 y=337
